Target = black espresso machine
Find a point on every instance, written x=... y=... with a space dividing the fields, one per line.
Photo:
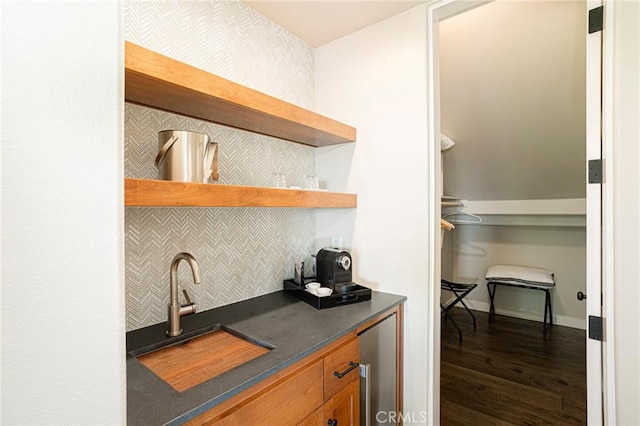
x=333 y=270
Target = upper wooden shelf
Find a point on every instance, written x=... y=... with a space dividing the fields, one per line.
x=157 y=81
x=143 y=192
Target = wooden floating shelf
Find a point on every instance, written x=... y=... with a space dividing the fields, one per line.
x=144 y=192
x=157 y=81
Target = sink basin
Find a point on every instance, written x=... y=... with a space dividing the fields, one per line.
x=197 y=357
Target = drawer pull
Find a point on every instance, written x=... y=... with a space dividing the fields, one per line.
x=352 y=366
x=332 y=422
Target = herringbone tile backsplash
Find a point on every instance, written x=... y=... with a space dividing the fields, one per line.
x=226 y=38
x=242 y=252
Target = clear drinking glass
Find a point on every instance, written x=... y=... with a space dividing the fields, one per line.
x=278 y=180
x=310 y=182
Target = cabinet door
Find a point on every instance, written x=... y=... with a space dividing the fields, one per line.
x=344 y=408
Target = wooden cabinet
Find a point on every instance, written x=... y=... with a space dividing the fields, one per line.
x=160 y=82
x=344 y=408
x=320 y=390
x=342 y=386
x=314 y=419
x=285 y=403
x=298 y=394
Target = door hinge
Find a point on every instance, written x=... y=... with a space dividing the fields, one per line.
x=596 y=19
x=595 y=171
x=596 y=328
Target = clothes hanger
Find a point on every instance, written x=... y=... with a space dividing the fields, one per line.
x=451 y=217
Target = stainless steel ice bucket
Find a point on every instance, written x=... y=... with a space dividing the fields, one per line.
x=187 y=157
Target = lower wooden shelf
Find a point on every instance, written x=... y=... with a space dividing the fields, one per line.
x=145 y=192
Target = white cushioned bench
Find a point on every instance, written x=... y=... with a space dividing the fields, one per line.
x=524 y=277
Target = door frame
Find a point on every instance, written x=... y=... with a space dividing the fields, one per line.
x=436 y=12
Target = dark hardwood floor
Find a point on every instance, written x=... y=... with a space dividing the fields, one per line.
x=508 y=372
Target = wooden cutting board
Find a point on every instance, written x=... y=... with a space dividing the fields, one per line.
x=202 y=358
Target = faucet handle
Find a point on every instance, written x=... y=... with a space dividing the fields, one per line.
x=186 y=297
x=189 y=307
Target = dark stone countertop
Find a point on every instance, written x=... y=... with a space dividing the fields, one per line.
x=280 y=319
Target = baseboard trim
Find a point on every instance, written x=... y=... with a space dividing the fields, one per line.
x=557 y=319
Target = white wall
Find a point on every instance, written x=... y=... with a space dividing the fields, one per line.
x=561 y=250
x=513 y=96
x=62 y=217
x=626 y=146
x=375 y=80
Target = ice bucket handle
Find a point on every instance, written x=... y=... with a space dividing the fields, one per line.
x=165 y=148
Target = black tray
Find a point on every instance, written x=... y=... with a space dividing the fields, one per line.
x=359 y=294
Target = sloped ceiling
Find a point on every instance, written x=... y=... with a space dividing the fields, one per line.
x=320 y=22
x=513 y=99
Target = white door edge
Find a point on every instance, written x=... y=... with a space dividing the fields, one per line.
x=608 y=364
x=594 y=220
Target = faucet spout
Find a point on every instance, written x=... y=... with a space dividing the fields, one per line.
x=175 y=309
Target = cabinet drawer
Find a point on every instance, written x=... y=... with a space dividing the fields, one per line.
x=342 y=361
x=286 y=403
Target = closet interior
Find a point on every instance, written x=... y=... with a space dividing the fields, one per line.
x=513 y=187
x=512 y=100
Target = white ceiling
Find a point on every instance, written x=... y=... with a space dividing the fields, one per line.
x=320 y=22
